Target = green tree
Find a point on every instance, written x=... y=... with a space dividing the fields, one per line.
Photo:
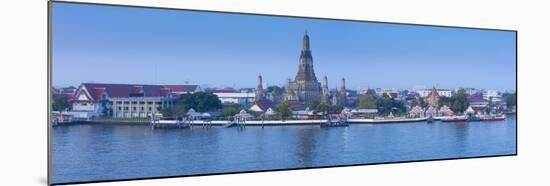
x=60 y=103
x=314 y=104
x=384 y=104
x=387 y=104
x=367 y=102
x=276 y=90
x=415 y=102
x=231 y=110
x=283 y=110
x=510 y=99
x=321 y=108
x=398 y=107
x=422 y=102
x=335 y=108
x=459 y=101
x=445 y=101
x=200 y=101
x=167 y=112
x=107 y=112
x=418 y=101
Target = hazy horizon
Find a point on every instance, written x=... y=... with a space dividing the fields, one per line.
x=106 y=44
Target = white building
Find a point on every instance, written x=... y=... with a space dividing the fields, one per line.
x=391 y=91
x=125 y=100
x=470 y=91
x=440 y=92
x=139 y=107
x=489 y=94
x=243 y=98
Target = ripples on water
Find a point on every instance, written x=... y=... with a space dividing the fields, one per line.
x=103 y=152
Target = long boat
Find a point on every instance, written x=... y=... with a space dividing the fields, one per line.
x=493 y=118
x=388 y=120
x=454 y=119
x=338 y=122
x=473 y=119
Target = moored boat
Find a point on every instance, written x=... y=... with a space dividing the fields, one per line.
x=493 y=118
x=340 y=122
x=454 y=119
x=377 y=120
x=430 y=119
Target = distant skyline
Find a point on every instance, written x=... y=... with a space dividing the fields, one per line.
x=107 y=44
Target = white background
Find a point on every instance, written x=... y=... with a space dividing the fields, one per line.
x=23 y=92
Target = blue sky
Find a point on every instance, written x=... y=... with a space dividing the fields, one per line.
x=92 y=43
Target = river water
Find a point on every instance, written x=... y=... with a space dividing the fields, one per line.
x=92 y=152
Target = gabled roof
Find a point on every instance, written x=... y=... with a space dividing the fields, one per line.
x=264 y=104
x=416 y=110
x=296 y=106
x=96 y=90
x=121 y=90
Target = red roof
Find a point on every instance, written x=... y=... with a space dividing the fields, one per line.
x=97 y=92
x=475 y=99
x=164 y=92
x=296 y=106
x=137 y=89
x=124 y=90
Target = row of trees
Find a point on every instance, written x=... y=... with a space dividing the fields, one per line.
x=200 y=101
x=60 y=103
x=510 y=99
x=457 y=102
x=284 y=112
x=385 y=104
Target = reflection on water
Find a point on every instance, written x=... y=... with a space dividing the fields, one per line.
x=101 y=152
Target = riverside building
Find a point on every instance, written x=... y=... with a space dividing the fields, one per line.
x=125 y=100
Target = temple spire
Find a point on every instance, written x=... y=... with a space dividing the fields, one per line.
x=343 y=86
x=324 y=95
x=434 y=91
x=433 y=98
x=342 y=94
x=306 y=42
x=259 y=88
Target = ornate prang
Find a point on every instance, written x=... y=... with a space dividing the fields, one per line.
x=259 y=89
x=343 y=96
x=324 y=98
x=433 y=98
x=304 y=88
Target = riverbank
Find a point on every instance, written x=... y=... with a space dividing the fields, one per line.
x=250 y=122
x=144 y=121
